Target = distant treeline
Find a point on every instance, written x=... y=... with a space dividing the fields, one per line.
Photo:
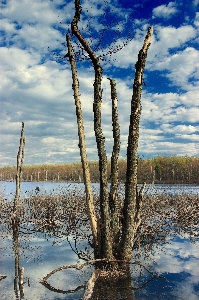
x=160 y=169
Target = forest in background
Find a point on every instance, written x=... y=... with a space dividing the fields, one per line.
x=160 y=169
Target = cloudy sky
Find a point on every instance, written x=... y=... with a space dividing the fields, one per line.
x=36 y=79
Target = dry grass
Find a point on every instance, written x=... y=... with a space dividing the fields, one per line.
x=65 y=215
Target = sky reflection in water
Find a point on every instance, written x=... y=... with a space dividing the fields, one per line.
x=178 y=262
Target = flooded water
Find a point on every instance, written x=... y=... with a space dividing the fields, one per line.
x=28 y=188
x=177 y=261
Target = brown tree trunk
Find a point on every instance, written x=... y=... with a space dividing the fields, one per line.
x=20 y=159
x=131 y=173
x=113 y=195
x=108 y=226
x=19 y=272
x=104 y=223
x=82 y=146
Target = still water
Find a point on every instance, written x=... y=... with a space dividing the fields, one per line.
x=28 y=188
x=178 y=261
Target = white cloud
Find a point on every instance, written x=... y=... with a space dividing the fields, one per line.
x=195 y=2
x=196 y=21
x=39 y=37
x=165 y=11
x=167 y=38
x=17 y=60
x=181 y=67
x=179 y=129
x=38 y=11
x=38 y=90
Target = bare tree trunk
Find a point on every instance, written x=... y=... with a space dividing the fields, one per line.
x=104 y=223
x=108 y=226
x=82 y=145
x=19 y=272
x=113 y=195
x=20 y=159
x=131 y=173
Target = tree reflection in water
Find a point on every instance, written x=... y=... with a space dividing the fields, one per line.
x=19 y=272
x=109 y=280
x=64 y=216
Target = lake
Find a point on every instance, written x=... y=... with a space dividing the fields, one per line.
x=178 y=260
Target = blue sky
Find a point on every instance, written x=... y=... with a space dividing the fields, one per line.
x=36 y=80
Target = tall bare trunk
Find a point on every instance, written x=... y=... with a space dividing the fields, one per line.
x=19 y=272
x=20 y=159
x=104 y=223
x=113 y=195
x=131 y=173
x=82 y=144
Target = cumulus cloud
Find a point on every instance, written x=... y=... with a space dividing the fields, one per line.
x=180 y=258
x=165 y=11
x=37 y=12
x=37 y=88
x=179 y=129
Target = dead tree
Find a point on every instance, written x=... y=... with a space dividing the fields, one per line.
x=19 y=272
x=114 y=225
x=113 y=239
x=82 y=146
x=132 y=197
x=20 y=160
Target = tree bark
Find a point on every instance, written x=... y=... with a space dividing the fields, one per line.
x=105 y=241
x=131 y=173
x=19 y=272
x=82 y=146
x=113 y=195
x=20 y=160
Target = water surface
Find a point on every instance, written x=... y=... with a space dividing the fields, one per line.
x=178 y=261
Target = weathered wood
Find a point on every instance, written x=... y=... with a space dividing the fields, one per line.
x=138 y=207
x=113 y=194
x=19 y=272
x=82 y=145
x=114 y=241
x=20 y=160
x=131 y=173
x=106 y=244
